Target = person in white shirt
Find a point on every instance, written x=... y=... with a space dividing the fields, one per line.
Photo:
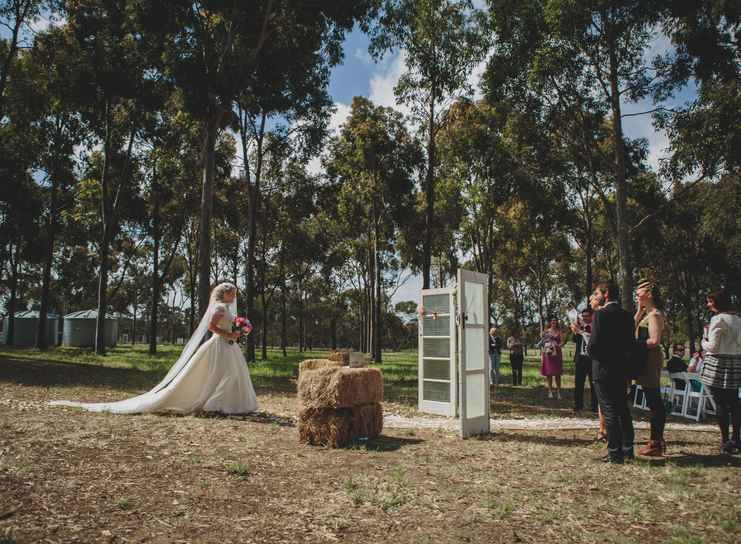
x=721 y=371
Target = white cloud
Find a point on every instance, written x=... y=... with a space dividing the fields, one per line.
x=474 y=79
x=342 y=111
x=362 y=55
x=382 y=82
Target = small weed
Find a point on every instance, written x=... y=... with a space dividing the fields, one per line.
x=7 y=537
x=498 y=510
x=195 y=460
x=683 y=536
x=123 y=504
x=354 y=491
x=240 y=470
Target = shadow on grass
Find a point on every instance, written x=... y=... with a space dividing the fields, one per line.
x=255 y=417
x=688 y=459
x=542 y=439
x=67 y=374
x=385 y=443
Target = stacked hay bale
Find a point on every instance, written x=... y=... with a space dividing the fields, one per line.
x=341 y=356
x=339 y=404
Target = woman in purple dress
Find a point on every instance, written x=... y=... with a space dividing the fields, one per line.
x=552 y=357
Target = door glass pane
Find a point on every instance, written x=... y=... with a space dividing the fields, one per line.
x=436 y=327
x=436 y=391
x=436 y=304
x=476 y=395
x=475 y=351
x=436 y=347
x=436 y=370
x=475 y=303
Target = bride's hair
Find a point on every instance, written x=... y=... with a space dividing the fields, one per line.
x=218 y=292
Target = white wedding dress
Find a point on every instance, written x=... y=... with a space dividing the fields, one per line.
x=208 y=377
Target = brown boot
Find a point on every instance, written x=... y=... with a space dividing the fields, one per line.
x=654 y=448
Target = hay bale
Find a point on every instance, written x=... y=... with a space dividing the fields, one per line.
x=324 y=427
x=366 y=421
x=314 y=364
x=339 y=427
x=340 y=387
x=340 y=356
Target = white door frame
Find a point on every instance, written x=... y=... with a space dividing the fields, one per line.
x=430 y=406
x=474 y=375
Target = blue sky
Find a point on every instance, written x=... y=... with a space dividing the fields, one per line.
x=360 y=75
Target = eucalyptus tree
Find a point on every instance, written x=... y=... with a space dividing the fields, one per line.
x=214 y=52
x=15 y=19
x=43 y=79
x=442 y=43
x=373 y=162
x=559 y=50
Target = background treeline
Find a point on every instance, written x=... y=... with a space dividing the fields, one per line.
x=149 y=149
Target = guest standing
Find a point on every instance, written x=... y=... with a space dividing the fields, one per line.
x=612 y=335
x=721 y=371
x=552 y=357
x=516 y=358
x=495 y=354
x=582 y=362
x=649 y=326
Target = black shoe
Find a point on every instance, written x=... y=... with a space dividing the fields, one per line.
x=611 y=460
x=628 y=454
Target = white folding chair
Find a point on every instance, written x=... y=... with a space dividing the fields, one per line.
x=679 y=396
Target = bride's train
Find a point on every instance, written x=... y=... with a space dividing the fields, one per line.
x=210 y=377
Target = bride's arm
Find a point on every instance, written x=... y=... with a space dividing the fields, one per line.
x=213 y=326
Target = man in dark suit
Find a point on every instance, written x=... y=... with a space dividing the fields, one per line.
x=582 y=362
x=609 y=344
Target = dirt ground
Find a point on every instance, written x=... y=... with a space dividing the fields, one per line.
x=72 y=476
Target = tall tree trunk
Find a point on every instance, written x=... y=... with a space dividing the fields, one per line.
x=253 y=210
x=154 y=302
x=51 y=227
x=10 y=333
x=265 y=323
x=429 y=192
x=283 y=323
x=207 y=198
x=377 y=296
x=133 y=322
x=621 y=188
x=107 y=220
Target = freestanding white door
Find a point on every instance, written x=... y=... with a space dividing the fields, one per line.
x=473 y=352
x=437 y=341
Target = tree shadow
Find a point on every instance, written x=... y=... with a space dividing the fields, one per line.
x=546 y=440
x=384 y=443
x=688 y=459
x=254 y=417
x=67 y=374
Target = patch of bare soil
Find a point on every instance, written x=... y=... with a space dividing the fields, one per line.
x=73 y=476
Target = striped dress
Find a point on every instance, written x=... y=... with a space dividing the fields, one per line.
x=722 y=364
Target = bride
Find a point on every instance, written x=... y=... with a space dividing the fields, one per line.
x=210 y=377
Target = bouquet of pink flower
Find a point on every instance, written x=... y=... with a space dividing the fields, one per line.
x=243 y=326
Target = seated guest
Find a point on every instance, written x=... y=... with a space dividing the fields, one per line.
x=676 y=362
x=696 y=363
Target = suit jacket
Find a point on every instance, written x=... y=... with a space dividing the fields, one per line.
x=611 y=339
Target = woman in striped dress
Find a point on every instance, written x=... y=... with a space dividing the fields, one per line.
x=721 y=372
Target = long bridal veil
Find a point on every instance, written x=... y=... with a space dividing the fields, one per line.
x=149 y=400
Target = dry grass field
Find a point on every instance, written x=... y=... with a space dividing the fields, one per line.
x=71 y=476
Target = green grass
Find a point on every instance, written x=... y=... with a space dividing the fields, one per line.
x=276 y=372
x=240 y=470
